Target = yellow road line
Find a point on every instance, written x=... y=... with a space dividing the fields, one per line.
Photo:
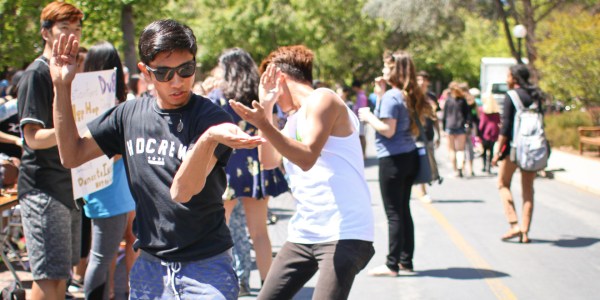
x=499 y=289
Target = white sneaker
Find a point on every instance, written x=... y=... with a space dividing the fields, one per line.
x=382 y=271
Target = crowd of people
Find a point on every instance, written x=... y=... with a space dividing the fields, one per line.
x=249 y=132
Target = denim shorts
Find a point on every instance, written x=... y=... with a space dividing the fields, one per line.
x=52 y=235
x=210 y=278
x=454 y=131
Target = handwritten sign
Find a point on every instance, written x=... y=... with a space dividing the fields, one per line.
x=92 y=93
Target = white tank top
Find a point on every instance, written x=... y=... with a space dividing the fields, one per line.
x=333 y=201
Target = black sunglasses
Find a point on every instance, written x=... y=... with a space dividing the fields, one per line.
x=164 y=74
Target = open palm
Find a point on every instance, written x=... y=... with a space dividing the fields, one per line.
x=270 y=87
x=63 y=63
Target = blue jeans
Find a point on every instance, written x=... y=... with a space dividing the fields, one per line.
x=210 y=278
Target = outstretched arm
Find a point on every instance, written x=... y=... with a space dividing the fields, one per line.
x=200 y=160
x=74 y=150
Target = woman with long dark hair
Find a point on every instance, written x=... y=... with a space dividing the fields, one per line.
x=396 y=126
x=530 y=95
x=108 y=208
x=246 y=179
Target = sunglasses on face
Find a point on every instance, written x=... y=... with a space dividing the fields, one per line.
x=164 y=74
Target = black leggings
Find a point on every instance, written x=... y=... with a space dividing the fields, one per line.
x=488 y=147
x=396 y=176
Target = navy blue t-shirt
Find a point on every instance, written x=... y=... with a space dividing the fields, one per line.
x=153 y=144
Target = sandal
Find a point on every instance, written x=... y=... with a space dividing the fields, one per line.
x=511 y=234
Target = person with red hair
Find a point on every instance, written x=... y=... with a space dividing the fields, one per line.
x=332 y=229
x=51 y=217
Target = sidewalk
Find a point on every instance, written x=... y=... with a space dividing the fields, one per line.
x=580 y=171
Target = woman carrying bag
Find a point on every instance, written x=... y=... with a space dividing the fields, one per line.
x=398 y=156
x=529 y=97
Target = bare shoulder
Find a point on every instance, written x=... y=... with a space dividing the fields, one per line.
x=325 y=98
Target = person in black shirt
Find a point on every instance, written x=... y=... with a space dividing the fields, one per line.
x=51 y=218
x=180 y=222
x=455 y=122
x=518 y=80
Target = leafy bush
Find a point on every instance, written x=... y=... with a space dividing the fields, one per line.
x=561 y=129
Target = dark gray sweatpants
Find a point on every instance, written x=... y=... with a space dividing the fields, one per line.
x=338 y=263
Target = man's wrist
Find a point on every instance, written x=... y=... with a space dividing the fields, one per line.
x=62 y=86
x=207 y=136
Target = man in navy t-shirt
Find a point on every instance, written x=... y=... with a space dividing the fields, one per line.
x=180 y=224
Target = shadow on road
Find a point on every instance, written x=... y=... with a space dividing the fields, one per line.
x=462 y=273
x=457 y=201
x=574 y=242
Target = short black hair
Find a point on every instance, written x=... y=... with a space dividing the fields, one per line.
x=356 y=83
x=165 y=36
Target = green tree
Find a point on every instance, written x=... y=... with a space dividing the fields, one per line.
x=569 y=56
x=115 y=21
x=121 y=22
x=458 y=57
x=445 y=39
x=20 y=39
x=346 y=42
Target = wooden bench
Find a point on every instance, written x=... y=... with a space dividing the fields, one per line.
x=590 y=136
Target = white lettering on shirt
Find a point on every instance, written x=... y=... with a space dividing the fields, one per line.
x=139 y=146
x=172 y=149
x=182 y=151
x=162 y=149
x=150 y=146
x=130 y=147
x=156 y=153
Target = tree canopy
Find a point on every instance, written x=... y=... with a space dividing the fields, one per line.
x=347 y=43
x=569 y=56
x=447 y=38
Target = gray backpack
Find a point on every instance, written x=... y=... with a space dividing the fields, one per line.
x=529 y=141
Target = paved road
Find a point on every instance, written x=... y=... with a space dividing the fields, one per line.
x=459 y=254
x=458 y=251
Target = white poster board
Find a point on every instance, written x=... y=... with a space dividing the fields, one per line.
x=92 y=93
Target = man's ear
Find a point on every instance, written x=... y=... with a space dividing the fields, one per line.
x=45 y=33
x=142 y=67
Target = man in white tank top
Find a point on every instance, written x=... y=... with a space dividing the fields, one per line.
x=332 y=229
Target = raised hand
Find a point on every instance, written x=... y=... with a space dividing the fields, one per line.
x=63 y=63
x=255 y=115
x=231 y=135
x=271 y=86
